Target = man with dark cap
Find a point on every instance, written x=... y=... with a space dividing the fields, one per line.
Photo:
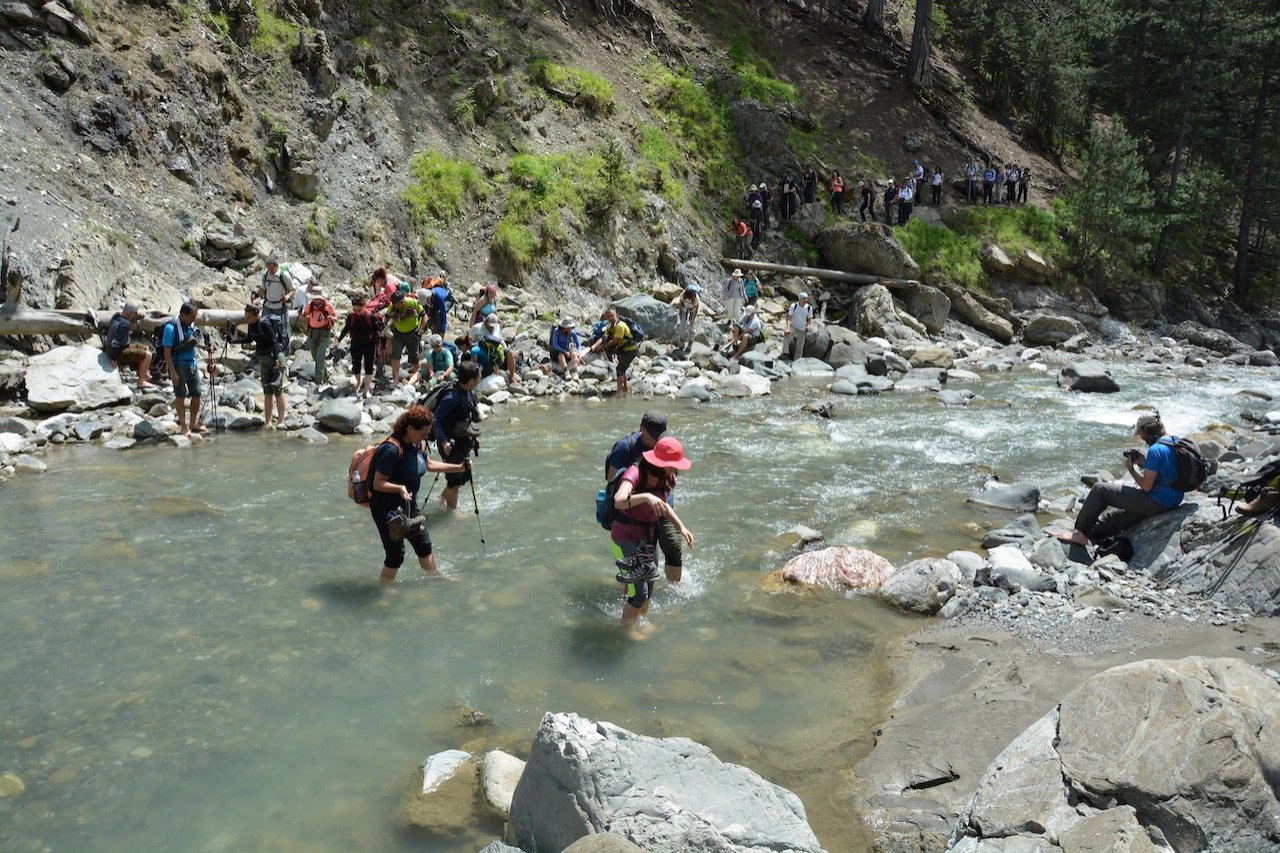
x=625 y=453
x=1113 y=507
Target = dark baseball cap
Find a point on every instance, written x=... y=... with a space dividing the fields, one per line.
x=654 y=423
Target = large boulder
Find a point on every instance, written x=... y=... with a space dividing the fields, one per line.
x=877 y=316
x=658 y=319
x=1238 y=569
x=922 y=586
x=1019 y=498
x=586 y=777
x=78 y=377
x=927 y=304
x=1089 y=377
x=996 y=260
x=1188 y=749
x=1210 y=339
x=340 y=414
x=1050 y=330
x=866 y=248
x=1033 y=267
x=838 y=567
x=978 y=315
x=817 y=341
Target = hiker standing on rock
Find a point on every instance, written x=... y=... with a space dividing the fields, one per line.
x=455 y=429
x=123 y=350
x=734 y=293
x=810 y=176
x=837 y=194
x=868 y=202
x=641 y=501
x=687 y=311
x=276 y=292
x=180 y=339
x=1113 y=507
x=399 y=464
x=364 y=326
x=799 y=318
x=318 y=317
x=270 y=360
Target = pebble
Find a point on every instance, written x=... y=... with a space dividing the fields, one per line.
x=11 y=785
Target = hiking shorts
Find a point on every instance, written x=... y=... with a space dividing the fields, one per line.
x=362 y=353
x=625 y=357
x=461 y=450
x=272 y=375
x=188 y=384
x=393 y=552
x=671 y=542
x=405 y=342
x=636 y=594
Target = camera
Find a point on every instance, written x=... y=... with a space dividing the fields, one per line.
x=402 y=527
x=1134 y=454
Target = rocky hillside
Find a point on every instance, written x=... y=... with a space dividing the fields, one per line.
x=162 y=149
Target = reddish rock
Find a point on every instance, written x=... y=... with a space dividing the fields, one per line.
x=854 y=568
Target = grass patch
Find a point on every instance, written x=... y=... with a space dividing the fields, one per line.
x=320 y=225
x=217 y=21
x=943 y=253
x=757 y=75
x=275 y=35
x=1012 y=228
x=577 y=87
x=441 y=186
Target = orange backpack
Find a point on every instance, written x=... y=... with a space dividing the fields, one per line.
x=360 y=475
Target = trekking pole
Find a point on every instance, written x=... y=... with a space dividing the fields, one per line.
x=475 y=503
x=213 y=381
x=429 y=491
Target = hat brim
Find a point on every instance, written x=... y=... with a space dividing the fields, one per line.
x=680 y=464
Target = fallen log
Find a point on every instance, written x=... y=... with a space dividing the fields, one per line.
x=17 y=321
x=828 y=275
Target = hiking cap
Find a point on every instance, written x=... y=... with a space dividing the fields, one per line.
x=668 y=453
x=803 y=296
x=567 y=323
x=423 y=294
x=493 y=333
x=316 y=293
x=1145 y=421
x=435 y=341
x=737 y=273
x=692 y=288
x=748 y=311
x=654 y=423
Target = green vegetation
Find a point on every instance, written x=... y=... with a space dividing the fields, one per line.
x=462 y=110
x=319 y=228
x=441 y=186
x=577 y=87
x=114 y=238
x=943 y=253
x=275 y=35
x=217 y=21
x=951 y=252
x=757 y=75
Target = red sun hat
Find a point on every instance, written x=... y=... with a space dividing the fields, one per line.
x=668 y=453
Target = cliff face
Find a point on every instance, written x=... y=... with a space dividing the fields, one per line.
x=161 y=149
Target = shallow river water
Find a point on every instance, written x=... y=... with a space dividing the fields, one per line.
x=194 y=654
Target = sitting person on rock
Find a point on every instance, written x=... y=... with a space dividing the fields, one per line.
x=1113 y=507
x=747 y=332
x=123 y=350
x=565 y=344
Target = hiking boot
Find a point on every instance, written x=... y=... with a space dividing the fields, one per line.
x=640 y=566
x=1265 y=502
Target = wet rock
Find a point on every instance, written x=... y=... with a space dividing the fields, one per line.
x=26 y=464
x=11 y=443
x=11 y=785
x=120 y=442
x=1050 y=330
x=745 y=383
x=811 y=367
x=311 y=435
x=17 y=426
x=838 y=567
x=341 y=414
x=73 y=377
x=929 y=356
x=499 y=775
x=148 y=429
x=922 y=586
x=1021 y=498
x=660 y=793
x=1087 y=376
x=442 y=801
x=1022 y=531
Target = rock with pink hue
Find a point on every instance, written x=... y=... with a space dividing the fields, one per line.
x=854 y=568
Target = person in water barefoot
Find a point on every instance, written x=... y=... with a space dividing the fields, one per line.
x=1113 y=507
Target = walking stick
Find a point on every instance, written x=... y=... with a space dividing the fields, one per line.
x=475 y=503
x=429 y=491
x=213 y=382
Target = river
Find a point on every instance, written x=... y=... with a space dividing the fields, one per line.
x=196 y=655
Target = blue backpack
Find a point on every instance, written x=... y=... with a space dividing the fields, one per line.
x=605 y=509
x=637 y=331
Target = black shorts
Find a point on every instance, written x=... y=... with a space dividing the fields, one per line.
x=362 y=353
x=461 y=450
x=393 y=552
x=625 y=357
x=671 y=542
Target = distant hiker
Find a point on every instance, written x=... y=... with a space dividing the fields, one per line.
x=751 y=288
x=971 y=170
x=1024 y=181
x=747 y=332
x=491 y=352
x=1111 y=507
x=756 y=213
x=935 y=185
x=810 y=177
x=619 y=343
x=441 y=299
x=271 y=362
x=905 y=196
x=799 y=319
x=868 y=202
x=399 y=464
x=406 y=319
x=837 y=193
x=743 y=239
x=999 y=184
x=364 y=327
x=180 y=340
x=988 y=183
x=766 y=198
x=687 y=310
x=456 y=432
x=890 y=199
x=642 y=501
x=733 y=293
x=790 y=198
x=564 y=345
x=318 y=317
x=486 y=303
x=276 y=292
x=1011 y=173
x=916 y=180
x=123 y=350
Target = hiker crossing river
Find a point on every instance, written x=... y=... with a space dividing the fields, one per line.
x=197 y=647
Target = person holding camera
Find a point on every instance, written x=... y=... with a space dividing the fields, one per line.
x=456 y=432
x=1113 y=507
x=399 y=465
x=180 y=339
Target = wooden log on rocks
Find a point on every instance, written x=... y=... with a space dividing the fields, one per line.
x=828 y=275
x=17 y=321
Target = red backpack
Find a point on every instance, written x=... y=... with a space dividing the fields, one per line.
x=360 y=475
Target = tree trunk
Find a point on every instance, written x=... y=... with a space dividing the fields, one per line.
x=18 y=321
x=1241 y=290
x=921 y=38
x=873 y=18
x=816 y=272
x=1188 y=83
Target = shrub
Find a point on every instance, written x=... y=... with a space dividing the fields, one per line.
x=757 y=76
x=944 y=253
x=697 y=121
x=1011 y=228
x=275 y=35
x=441 y=186
x=580 y=88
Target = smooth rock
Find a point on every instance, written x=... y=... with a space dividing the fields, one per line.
x=922 y=586
x=1021 y=498
x=838 y=567
x=340 y=414
x=73 y=377
x=499 y=775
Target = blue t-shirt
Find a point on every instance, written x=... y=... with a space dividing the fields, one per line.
x=1160 y=459
x=564 y=342
x=186 y=355
x=440 y=306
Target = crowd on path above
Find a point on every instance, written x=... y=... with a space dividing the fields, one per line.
x=766 y=205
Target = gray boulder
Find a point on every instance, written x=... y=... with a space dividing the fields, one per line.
x=1088 y=377
x=586 y=777
x=927 y=304
x=817 y=341
x=1021 y=498
x=1050 y=330
x=17 y=426
x=340 y=414
x=657 y=318
x=866 y=248
x=1239 y=569
x=78 y=378
x=877 y=316
x=1186 y=748
x=811 y=367
x=922 y=586
x=996 y=260
x=978 y=315
x=1211 y=339
x=605 y=842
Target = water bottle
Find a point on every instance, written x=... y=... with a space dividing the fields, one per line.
x=357 y=486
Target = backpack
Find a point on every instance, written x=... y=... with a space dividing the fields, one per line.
x=278 y=331
x=1193 y=468
x=453 y=350
x=637 y=331
x=360 y=474
x=606 y=512
x=431 y=400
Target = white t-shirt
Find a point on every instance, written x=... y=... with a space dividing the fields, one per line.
x=800 y=314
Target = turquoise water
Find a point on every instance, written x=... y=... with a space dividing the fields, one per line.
x=196 y=655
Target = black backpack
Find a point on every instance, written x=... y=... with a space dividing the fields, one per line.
x=431 y=400
x=637 y=331
x=606 y=512
x=1193 y=468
